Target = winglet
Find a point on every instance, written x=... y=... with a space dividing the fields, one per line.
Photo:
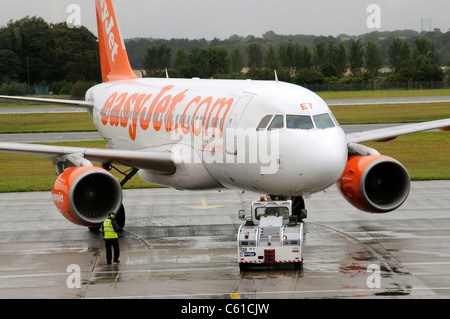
x=113 y=55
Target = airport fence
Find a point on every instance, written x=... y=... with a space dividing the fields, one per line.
x=372 y=86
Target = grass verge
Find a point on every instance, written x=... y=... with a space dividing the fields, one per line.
x=390 y=113
x=25 y=173
x=375 y=94
x=425 y=155
x=345 y=114
x=44 y=123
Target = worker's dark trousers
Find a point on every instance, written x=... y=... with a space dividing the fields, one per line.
x=115 y=244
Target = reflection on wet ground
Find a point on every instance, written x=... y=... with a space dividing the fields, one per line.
x=348 y=254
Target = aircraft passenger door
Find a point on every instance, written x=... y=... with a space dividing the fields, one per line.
x=238 y=110
x=232 y=124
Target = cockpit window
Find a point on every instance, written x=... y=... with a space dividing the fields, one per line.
x=323 y=121
x=263 y=124
x=277 y=122
x=303 y=122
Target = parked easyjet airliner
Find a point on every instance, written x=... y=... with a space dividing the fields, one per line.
x=269 y=137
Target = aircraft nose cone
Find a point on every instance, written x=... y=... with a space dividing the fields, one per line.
x=321 y=159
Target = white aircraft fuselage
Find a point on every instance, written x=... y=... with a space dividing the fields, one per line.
x=264 y=136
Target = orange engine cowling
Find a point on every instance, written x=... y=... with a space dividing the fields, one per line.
x=87 y=195
x=375 y=184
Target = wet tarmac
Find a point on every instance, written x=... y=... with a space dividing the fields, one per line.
x=182 y=245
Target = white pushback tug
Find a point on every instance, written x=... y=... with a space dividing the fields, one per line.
x=271 y=234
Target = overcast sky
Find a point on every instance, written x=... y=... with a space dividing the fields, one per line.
x=195 y=19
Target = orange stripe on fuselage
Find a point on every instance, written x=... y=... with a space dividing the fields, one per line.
x=122 y=109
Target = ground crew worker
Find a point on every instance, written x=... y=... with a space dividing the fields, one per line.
x=110 y=230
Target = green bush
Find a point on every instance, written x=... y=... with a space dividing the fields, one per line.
x=80 y=88
x=14 y=89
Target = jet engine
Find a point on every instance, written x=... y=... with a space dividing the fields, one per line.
x=375 y=184
x=87 y=195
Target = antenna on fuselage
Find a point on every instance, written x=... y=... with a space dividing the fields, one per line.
x=167 y=74
x=276 y=76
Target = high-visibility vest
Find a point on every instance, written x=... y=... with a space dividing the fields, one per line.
x=108 y=230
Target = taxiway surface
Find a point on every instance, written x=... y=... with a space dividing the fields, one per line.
x=179 y=244
x=335 y=102
x=183 y=245
x=95 y=136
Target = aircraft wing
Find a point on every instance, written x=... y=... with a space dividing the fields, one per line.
x=160 y=162
x=85 y=104
x=393 y=132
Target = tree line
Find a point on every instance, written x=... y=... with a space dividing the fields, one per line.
x=351 y=61
x=36 y=53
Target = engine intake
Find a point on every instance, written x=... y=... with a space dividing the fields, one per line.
x=375 y=184
x=87 y=195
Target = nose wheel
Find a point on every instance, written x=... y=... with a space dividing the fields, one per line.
x=298 y=207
